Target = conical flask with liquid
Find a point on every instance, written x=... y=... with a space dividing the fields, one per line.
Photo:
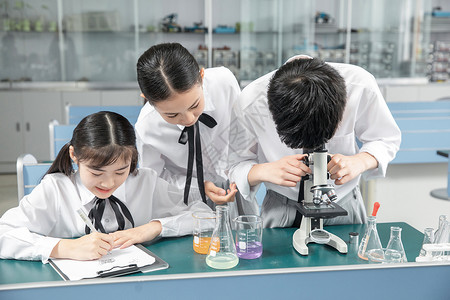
x=370 y=240
x=222 y=251
x=395 y=242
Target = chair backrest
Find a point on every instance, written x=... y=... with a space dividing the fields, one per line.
x=59 y=136
x=74 y=114
x=29 y=174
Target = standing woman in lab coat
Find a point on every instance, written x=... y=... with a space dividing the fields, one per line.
x=185 y=124
x=125 y=205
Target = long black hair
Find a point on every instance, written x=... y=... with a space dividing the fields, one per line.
x=100 y=138
x=307 y=98
x=165 y=69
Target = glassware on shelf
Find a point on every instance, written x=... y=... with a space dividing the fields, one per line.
x=222 y=251
x=370 y=240
x=428 y=238
x=395 y=242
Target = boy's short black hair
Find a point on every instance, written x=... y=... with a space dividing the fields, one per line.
x=307 y=99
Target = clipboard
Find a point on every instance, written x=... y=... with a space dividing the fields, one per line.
x=137 y=258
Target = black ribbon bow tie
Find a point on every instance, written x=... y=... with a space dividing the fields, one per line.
x=96 y=213
x=192 y=135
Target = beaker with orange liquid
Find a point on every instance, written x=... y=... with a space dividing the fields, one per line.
x=204 y=223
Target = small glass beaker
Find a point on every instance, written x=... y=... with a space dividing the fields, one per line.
x=428 y=238
x=204 y=223
x=248 y=236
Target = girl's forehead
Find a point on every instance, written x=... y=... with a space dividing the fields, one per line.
x=179 y=102
x=119 y=163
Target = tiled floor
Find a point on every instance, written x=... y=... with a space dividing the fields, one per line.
x=8 y=192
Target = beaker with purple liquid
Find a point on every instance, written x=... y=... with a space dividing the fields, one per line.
x=248 y=236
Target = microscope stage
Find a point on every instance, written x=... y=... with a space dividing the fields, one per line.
x=322 y=210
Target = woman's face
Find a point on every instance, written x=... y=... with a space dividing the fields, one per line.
x=184 y=108
x=103 y=181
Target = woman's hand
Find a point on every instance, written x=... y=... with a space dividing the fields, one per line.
x=140 y=234
x=88 y=247
x=219 y=195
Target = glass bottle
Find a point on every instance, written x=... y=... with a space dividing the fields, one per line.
x=442 y=236
x=428 y=238
x=222 y=251
x=395 y=242
x=439 y=234
x=370 y=240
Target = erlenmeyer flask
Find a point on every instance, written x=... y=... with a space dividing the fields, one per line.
x=222 y=251
x=395 y=242
x=428 y=238
x=370 y=240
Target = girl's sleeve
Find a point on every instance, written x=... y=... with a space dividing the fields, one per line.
x=169 y=209
x=23 y=229
x=243 y=150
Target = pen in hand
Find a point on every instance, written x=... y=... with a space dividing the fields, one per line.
x=86 y=220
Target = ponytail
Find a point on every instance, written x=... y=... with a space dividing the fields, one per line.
x=62 y=162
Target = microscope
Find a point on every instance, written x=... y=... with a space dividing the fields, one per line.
x=314 y=208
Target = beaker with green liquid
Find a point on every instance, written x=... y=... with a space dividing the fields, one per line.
x=222 y=251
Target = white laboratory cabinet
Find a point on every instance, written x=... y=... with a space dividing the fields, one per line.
x=24 y=119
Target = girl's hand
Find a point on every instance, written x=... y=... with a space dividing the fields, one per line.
x=141 y=234
x=286 y=171
x=219 y=195
x=88 y=247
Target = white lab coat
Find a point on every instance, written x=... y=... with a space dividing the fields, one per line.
x=158 y=146
x=31 y=230
x=366 y=117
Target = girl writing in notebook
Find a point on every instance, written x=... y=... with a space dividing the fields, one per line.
x=185 y=127
x=126 y=205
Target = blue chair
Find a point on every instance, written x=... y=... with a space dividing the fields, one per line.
x=29 y=174
x=74 y=114
x=59 y=136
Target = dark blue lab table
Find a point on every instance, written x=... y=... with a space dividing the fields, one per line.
x=280 y=272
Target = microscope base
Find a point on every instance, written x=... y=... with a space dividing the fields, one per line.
x=301 y=238
x=299 y=241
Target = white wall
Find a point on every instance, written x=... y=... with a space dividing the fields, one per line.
x=404 y=195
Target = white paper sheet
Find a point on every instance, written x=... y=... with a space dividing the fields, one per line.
x=116 y=259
